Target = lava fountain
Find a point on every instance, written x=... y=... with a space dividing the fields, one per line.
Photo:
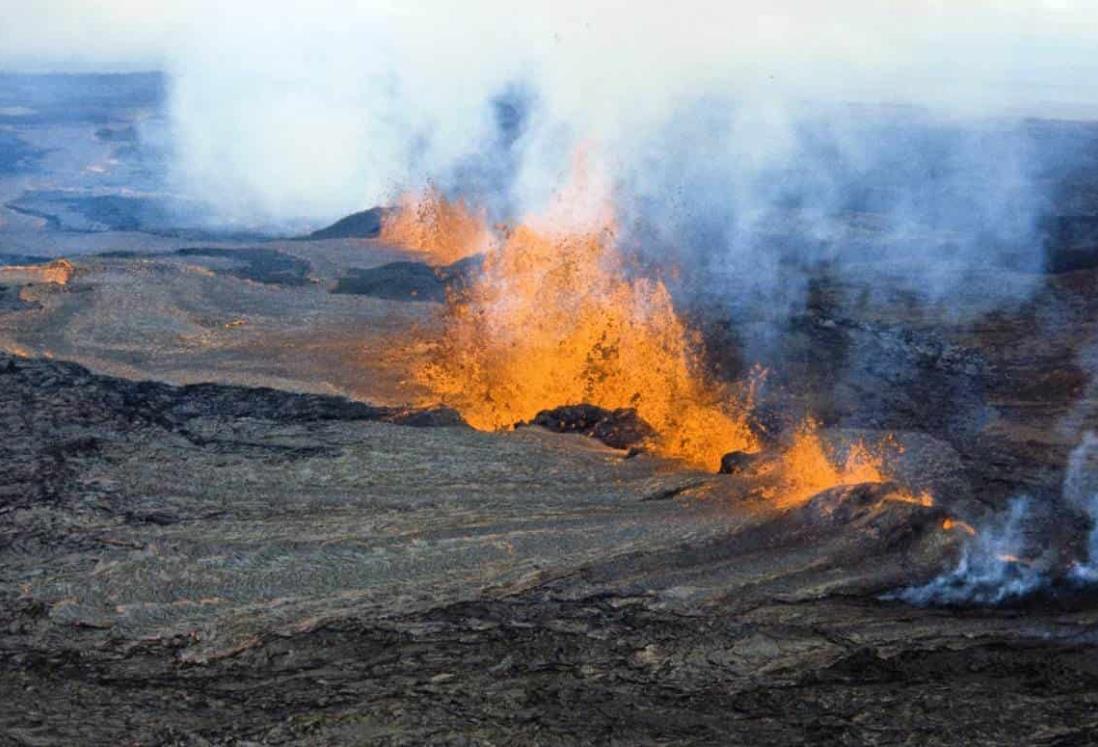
x=804 y=468
x=558 y=316
x=443 y=230
x=555 y=318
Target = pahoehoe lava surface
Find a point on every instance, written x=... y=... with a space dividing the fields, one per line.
x=216 y=564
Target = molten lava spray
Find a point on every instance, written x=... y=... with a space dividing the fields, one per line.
x=554 y=319
x=806 y=469
x=444 y=230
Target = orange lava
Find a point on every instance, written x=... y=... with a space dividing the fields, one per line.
x=555 y=319
x=444 y=230
x=805 y=468
x=924 y=498
x=556 y=316
x=949 y=524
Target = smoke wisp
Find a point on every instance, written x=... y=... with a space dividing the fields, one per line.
x=1006 y=558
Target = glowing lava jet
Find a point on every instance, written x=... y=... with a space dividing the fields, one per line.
x=553 y=318
x=446 y=231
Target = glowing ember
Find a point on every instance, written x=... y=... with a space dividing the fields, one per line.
x=951 y=524
x=924 y=498
x=554 y=319
x=446 y=231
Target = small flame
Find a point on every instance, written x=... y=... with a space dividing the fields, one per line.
x=444 y=230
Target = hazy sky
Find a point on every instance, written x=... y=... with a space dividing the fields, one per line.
x=1002 y=50
x=319 y=106
x=143 y=33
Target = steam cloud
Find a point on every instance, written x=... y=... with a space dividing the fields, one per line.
x=733 y=138
x=990 y=570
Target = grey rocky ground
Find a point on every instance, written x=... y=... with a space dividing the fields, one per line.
x=227 y=565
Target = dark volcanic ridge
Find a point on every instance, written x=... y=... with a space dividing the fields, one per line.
x=410 y=281
x=51 y=408
x=365 y=224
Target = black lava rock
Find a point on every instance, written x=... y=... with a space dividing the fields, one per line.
x=620 y=428
x=737 y=462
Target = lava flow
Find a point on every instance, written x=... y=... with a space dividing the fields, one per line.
x=806 y=469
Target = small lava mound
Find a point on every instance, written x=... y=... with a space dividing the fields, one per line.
x=866 y=504
x=365 y=224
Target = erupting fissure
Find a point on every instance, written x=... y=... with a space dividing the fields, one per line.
x=552 y=319
x=805 y=468
x=555 y=317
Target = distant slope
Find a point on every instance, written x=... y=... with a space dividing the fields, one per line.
x=362 y=225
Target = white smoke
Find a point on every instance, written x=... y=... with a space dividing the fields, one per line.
x=715 y=123
x=992 y=568
x=1081 y=490
x=998 y=565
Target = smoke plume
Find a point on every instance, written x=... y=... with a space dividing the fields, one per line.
x=737 y=141
x=735 y=136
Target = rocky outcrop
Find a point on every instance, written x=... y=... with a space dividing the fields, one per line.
x=620 y=429
x=362 y=225
x=58 y=272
